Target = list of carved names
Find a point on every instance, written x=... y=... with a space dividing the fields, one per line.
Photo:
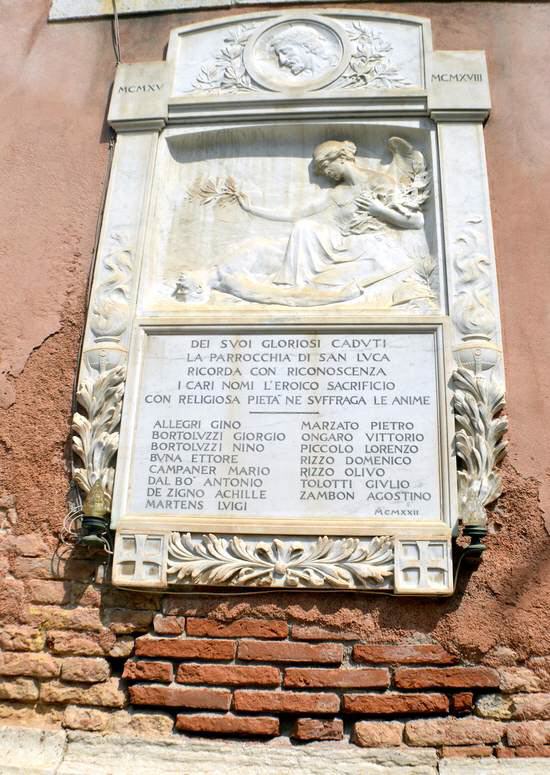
x=288 y=424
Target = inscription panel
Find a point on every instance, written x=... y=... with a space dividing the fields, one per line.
x=289 y=424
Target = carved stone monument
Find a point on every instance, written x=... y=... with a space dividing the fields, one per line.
x=292 y=372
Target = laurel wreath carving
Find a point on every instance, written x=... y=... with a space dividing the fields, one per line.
x=95 y=440
x=340 y=562
x=479 y=445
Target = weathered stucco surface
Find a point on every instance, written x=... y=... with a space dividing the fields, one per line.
x=55 y=84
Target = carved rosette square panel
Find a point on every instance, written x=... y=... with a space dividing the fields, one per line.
x=423 y=567
x=140 y=560
x=292 y=369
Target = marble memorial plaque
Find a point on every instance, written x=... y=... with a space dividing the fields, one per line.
x=291 y=372
x=288 y=425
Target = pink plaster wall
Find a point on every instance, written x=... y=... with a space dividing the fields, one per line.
x=54 y=86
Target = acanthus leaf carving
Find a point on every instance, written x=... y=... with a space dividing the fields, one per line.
x=341 y=563
x=95 y=439
x=479 y=444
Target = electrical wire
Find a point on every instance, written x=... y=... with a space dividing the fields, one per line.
x=116 y=34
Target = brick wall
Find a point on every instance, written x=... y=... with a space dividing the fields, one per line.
x=91 y=657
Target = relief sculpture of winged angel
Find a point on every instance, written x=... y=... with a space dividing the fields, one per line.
x=364 y=229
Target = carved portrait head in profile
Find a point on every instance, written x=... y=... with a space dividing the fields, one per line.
x=304 y=50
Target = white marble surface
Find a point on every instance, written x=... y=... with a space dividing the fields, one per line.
x=459 y=81
x=140 y=94
x=80 y=9
x=231 y=209
x=298 y=53
x=288 y=425
x=229 y=243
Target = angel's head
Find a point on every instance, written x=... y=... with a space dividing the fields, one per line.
x=330 y=158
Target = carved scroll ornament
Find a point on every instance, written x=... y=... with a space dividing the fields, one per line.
x=341 y=563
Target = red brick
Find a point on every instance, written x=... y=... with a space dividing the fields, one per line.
x=53 y=617
x=44 y=568
x=462 y=702
x=178 y=696
x=228 y=725
x=263 y=651
x=358 y=678
x=390 y=704
x=531 y=706
x=87 y=719
x=123 y=647
x=418 y=654
x=168 y=625
x=445 y=677
x=310 y=632
x=501 y=752
x=518 y=679
x=30 y=545
x=123 y=621
x=230 y=675
x=528 y=733
x=318 y=729
x=453 y=731
x=148 y=671
x=20 y=689
x=466 y=751
x=87 y=595
x=108 y=694
x=21 y=637
x=541 y=667
x=85 y=670
x=35 y=665
x=185 y=648
x=242 y=628
x=378 y=734
x=48 y=592
x=90 y=644
x=531 y=751
x=286 y=702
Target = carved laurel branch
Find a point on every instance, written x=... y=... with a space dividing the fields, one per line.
x=370 y=64
x=341 y=562
x=227 y=72
x=95 y=439
x=479 y=446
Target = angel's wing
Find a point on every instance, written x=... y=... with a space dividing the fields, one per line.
x=407 y=162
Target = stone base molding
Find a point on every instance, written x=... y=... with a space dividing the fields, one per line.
x=37 y=752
